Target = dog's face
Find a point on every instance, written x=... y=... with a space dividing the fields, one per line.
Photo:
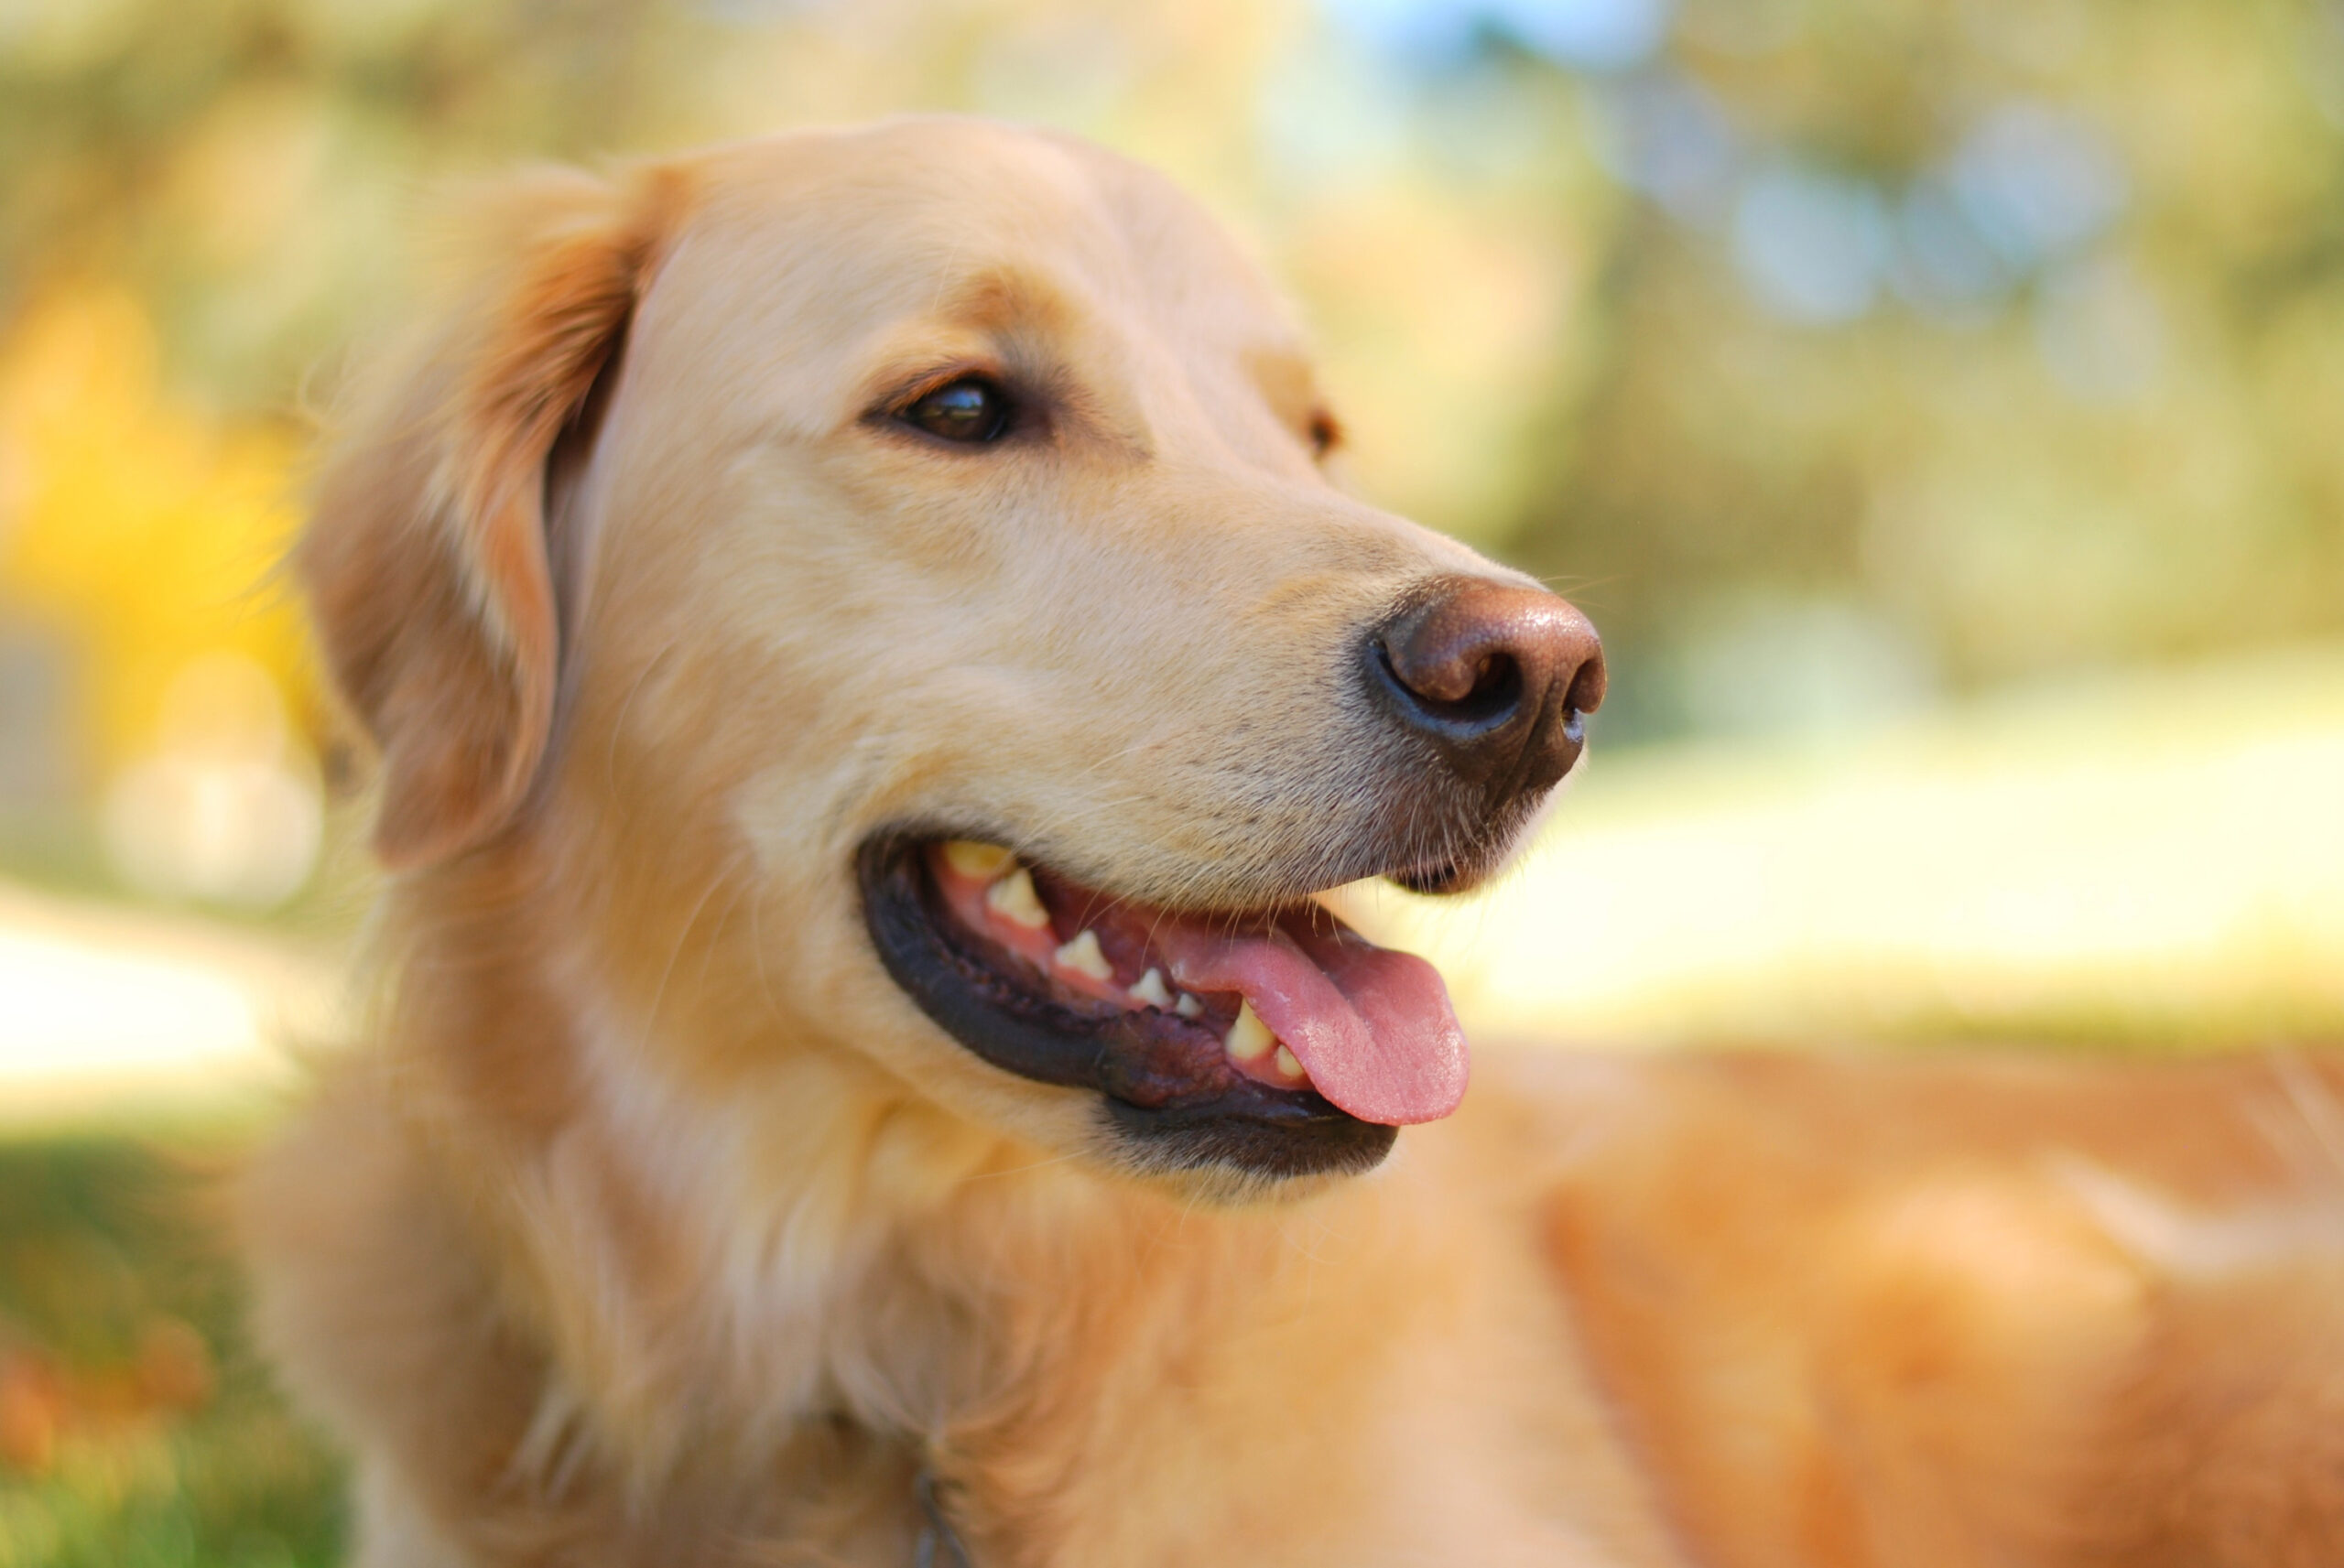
x=950 y=652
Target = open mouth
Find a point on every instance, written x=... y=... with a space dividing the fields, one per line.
x=1275 y=1039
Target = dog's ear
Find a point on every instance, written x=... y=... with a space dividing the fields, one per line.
x=426 y=561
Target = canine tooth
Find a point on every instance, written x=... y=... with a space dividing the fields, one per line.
x=978 y=862
x=1013 y=898
x=1150 y=988
x=1288 y=1067
x=1249 y=1036
x=1188 y=1006
x=1083 y=956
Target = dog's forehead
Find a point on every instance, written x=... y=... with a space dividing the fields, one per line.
x=846 y=230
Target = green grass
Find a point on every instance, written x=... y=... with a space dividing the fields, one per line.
x=137 y=1428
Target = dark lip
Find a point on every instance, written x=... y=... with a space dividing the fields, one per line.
x=1464 y=864
x=1166 y=1114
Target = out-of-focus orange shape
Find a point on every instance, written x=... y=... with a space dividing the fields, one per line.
x=32 y=1400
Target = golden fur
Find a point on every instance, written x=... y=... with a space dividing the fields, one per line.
x=653 y=1225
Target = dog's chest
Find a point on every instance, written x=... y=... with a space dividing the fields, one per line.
x=1350 y=1405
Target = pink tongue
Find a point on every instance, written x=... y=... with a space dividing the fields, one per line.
x=1372 y=1027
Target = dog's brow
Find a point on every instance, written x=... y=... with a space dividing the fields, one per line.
x=1289 y=384
x=1003 y=300
x=1286 y=379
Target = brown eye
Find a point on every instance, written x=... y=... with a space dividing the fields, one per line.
x=971 y=409
x=1325 y=434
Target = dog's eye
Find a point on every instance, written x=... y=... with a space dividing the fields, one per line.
x=1326 y=435
x=971 y=409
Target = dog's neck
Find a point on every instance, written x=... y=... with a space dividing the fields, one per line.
x=813 y=1243
x=806 y=1269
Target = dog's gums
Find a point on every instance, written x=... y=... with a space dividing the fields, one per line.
x=995 y=900
x=1282 y=1022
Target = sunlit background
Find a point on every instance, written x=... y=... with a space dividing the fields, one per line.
x=1935 y=402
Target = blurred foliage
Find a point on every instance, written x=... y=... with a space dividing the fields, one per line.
x=2100 y=435
x=134 y=1426
x=1837 y=354
x=149 y=534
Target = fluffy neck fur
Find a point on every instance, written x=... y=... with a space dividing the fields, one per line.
x=716 y=1278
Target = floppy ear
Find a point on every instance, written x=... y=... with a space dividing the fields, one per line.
x=426 y=560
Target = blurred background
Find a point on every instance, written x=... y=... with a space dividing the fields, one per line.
x=1932 y=401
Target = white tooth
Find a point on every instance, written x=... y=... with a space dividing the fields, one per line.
x=1188 y=1006
x=978 y=862
x=1012 y=898
x=1288 y=1067
x=1150 y=988
x=1249 y=1036
x=1083 y=956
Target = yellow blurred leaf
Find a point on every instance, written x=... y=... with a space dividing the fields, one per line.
x=143 y=533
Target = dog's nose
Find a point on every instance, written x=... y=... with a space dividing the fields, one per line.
x=1496 y=676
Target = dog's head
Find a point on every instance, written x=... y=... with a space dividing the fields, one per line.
x=887 y=585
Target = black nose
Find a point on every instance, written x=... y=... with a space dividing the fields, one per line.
x=1496 y=676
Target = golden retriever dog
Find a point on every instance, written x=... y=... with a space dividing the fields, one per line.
x=870 y=676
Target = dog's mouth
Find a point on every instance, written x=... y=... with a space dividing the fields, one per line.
x=1276 y=1039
